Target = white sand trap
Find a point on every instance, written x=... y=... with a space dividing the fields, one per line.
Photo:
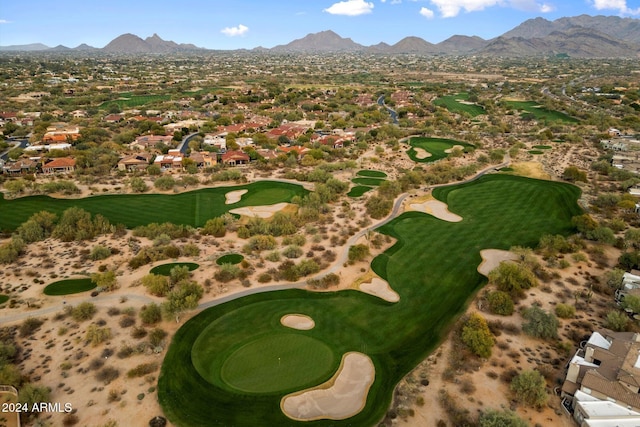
x=436 y=208
x=450 y=150
x=342 y=397
x=491 y=258
x=234 y=196
x=260 y=211
x=421 y=153
x=381 y=289
x=298 y=321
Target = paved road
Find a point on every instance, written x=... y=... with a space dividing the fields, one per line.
x=108 y=299
x=392 y=112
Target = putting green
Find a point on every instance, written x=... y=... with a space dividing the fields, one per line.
x=69 y=286
x=358 y=190
x=165 y=269
x=278 y=363
x=432 y=266
x=374 y=182
x=371 y=173
x=4 y=298
x=230 y=259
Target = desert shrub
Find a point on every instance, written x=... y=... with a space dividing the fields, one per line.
x=125 y=351
x=539 y=323
x=99 y=252
x=264 y=278
x=108 y=374
x=83 y=311
x=150 y=314
x=156 y=337
x=565 y=311
x=97 y=335
x=138 y=332
x=273 y=256
x=500 y=303
x=127 y=321
x=617 y=320
x=142 y=370
x=29 y=326
x=227 y=272
x=156 y=284
x=513 y=278
x=358 y=253
x=164 y=182
x=292 y=251
x=70 y=420
x=505 y=418
x=529 y=388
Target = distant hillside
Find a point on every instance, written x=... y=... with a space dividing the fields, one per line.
x=324 y=41
x=25 y=47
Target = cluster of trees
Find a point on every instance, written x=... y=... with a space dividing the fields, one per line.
x=513 y=278
x=20 y=185
x=180 y=291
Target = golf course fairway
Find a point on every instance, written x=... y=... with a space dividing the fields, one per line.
x=433 y=269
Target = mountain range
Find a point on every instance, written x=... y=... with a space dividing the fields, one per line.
x=581 y=36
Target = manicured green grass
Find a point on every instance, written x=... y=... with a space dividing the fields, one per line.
x=358 y=191
x=230 y=259
x=507 y=170
x=536 y=152
x=541 y=113
x=373 y=182
x=543 y=147
x=435 y=146
x=372 y=174
x=69 y=286
x=192 y=208
x=130 y=101
x=453 y=104
x=4 y=298
x=432 y=267
x=165 y=269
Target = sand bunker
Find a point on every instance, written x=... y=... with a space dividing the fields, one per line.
x=381 y=289
x=298 y=321
x=450 y=150
x=260 y=211
x=436 y=208
x=421 y=153
x=234 y=196
x=491 y=258
x=342 y=397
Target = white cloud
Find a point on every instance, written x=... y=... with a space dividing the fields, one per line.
x=350 y=8
x=451 y=8
x=427 y=13
x=240 y=30
x=619 y=5
x=4 y=21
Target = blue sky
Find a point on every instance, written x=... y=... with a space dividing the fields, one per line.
x=232 y=24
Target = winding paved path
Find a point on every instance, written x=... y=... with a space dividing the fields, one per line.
x=108 y=299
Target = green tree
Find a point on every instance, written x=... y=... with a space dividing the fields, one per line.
x=613 y=278
x=164 y=183
x=38 y=227
x=584 y=223
x=539 y=323
x=179 y=273
x=572 y=173
x=96 y=335
x=10 y=251
x=506 y=418
x=358 y=253
x=156 y=284
x=215 y=227
x=477 y=336
x=184 y=296
x=138 y=185
x=565 y=311
x=513 y=278
x=99 y=252
x=83 y=311
x=378 y=207
x=500 y=303
x=617 y=320
x=15 y=186
x=529 y=389
x=106 y=280
x=31 y=394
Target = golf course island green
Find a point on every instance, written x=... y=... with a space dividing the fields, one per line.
x=190 y=208
x=425 y=150
x=358 y=190
x=165 y=269
x=69 y=286
x=230 y=259
x=236 y=364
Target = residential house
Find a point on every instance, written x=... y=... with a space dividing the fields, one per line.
x=217 y=140
x=299 y=150
x=60 y=133
x=235 y=157
x=134 y=162
x=592 y=412
x=20 y=167
x=607 y=368
x=150 y=141
x=114 y=118
x=168 y=161
x=203 y=159
x=49 y=147
x=59 y=165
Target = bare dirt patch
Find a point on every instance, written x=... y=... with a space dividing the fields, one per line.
x=342 y=397
x=491 y=258
x=530 y=170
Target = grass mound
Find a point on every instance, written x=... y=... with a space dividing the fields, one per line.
x=436 y=146
x=69 y=286
x=542 y=147
x=358 y=191
x=4 y=298
x=432 y=266
x=230 y=259
x=536 y=152
x=165 y=269
x=372 y=174
x=191 y=208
